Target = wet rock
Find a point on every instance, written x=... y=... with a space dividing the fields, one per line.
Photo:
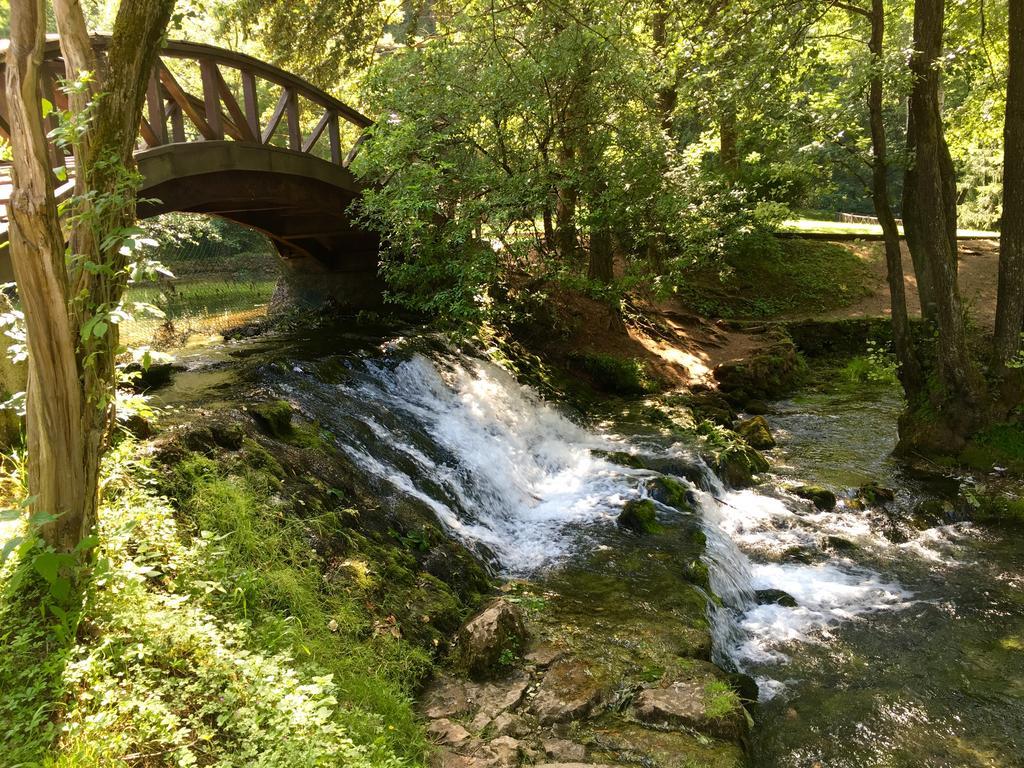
x=444 y=731
x=766 y=375
x=449 y=698
x=876 y=495
x=568 y=691
x=738 y=465
x=563 y=749
x=686 y=704
x=776 y=596
x=488 y=640
x=712 y=406
x=502 y=751
x=839 y=544
x=639 y=515
x=797 y=554
x=756 y=432
x=756 y=407
x=574 y=765
x=544 y=655
x=932 y=512
x=670 y=492
x=745 y=686
x=822 y=498
x=274 y=417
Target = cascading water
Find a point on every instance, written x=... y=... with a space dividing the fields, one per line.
x=515 y=479
x=894 y=646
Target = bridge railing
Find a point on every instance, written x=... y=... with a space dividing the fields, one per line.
x=199 y=92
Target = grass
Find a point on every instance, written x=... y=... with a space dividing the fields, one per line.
x=774 y=278
x=824 y=227
x=207 y=635
x=205 y=305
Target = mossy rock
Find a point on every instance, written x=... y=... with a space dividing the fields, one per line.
x=756 y=432
x=822 y=498
x=767 y=375
x=876 y=495
x=639 y=515
x=739 y=465
x=275 y=417
x=670 y=492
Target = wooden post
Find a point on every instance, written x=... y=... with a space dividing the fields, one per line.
x=252 y=103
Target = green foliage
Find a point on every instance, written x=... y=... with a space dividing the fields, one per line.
x=611 y=373
x=1001 y=445
x=212 y=638
x=876 y=366
x=768 y=277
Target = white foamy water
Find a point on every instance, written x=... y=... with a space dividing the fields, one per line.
x=522 y=477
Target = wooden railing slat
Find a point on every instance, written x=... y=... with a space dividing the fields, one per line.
x=275 y=118
x=238 y=118
x=294 y=129
x=211 y=97
x=185 y=104
x=318 y=131
x=250 y=96
x=155 y=102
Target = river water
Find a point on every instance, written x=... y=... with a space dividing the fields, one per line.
x=905 y=646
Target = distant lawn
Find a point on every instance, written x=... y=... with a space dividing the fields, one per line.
x=824 y=227
x=778 y=278
x=196 y=306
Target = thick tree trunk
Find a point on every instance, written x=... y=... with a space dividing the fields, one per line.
x=1010 y=303
x=58 y=478
x=934 y=218
x=910 y=368
x=911 y=226
x=71 y=380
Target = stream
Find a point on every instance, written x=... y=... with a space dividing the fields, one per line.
x=905 y=645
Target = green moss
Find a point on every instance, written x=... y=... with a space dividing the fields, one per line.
x=640 y=515
x=275 y=417
x=1001 y=445
x=720 y=700
x=617 y=375
x=670 y=492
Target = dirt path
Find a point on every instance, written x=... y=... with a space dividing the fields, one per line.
x=979 y=266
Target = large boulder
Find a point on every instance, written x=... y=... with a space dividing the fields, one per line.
x=491 y=640
x=711 y=709
x=756 y=432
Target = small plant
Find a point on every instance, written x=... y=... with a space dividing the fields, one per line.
x=876 y=366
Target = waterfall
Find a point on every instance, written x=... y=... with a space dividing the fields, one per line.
x=513 y=478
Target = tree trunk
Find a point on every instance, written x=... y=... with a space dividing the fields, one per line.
x=934 y=218
x=1010 y=302
x=925 y=287
x=910 y=369
x=71 y=380
x=601 y=265
x=727 y=149
x=57 y=473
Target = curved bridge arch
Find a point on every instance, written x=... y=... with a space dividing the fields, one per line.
x=226 y=134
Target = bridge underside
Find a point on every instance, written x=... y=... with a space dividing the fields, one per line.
x=299 y=201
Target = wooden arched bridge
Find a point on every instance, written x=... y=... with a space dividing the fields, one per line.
x=228 y=135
